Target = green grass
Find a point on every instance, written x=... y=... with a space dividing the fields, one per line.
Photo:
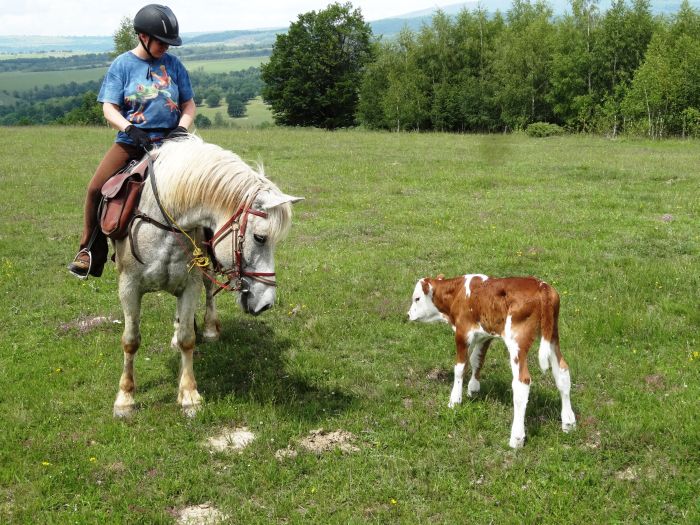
x=612 y=224
x=26 y=80
x=225 y=65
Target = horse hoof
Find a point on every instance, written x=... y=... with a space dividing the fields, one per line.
x=123 y=411
x=210 y=337
x=190 y=401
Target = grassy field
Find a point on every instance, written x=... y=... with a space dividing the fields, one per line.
x=25 y=80
x=257 y=113
x=612 y=224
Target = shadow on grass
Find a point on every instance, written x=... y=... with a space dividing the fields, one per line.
x=543 y=406
x=249 y=363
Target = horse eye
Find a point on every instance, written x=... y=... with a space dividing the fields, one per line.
x=260 y=239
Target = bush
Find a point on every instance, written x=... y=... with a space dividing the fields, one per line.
x=544 y=129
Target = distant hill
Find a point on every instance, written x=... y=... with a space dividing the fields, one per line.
x=386 y=27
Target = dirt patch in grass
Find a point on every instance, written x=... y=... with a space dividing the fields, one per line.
x=438 y=374
x=231 y=439
x=320 y=441
x=204 y=514
x=83 y=324
x=655 y=382
x=629 y=474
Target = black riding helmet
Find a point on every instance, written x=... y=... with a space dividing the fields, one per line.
x=158 y=21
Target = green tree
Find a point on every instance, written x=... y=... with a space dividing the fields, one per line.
x=124 y=37
x=522 y=65
x=571 y=76
x=202 y=121
x=213 y=98
x=89 y=113
x=235 y=107
x=314 y=71
x=620 y=46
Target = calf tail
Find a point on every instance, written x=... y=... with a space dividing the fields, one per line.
x=549 y=325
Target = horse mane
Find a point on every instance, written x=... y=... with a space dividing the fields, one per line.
x=192 y=173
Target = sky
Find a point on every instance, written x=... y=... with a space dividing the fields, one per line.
x=102 y=17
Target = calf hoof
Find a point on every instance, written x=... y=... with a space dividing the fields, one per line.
x=568 y=421
x=473 y=388
x=516 y=442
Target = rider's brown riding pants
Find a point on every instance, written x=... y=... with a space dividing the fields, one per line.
x=115 y=159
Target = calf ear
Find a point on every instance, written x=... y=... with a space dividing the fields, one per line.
x=425 y=285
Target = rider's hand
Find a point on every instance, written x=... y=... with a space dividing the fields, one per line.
x=180 y=131
x=138 y=136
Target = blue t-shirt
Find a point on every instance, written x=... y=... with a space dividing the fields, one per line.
x=149 y=93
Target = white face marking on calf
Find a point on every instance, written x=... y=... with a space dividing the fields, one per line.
x=422 y=307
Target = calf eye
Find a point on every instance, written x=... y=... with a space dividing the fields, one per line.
x=417 y=299
x=260 y=239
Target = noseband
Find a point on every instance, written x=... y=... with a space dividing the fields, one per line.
x=236 y=227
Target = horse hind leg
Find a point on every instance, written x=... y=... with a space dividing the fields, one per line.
x=188 y=397
x=131 y=340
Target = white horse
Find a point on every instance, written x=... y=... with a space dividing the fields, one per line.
x=198 y=185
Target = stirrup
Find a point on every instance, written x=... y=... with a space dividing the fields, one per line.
x=87 y=272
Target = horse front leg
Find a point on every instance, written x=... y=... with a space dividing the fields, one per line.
x=131 y=339
x=212 y=325
x=188 y=397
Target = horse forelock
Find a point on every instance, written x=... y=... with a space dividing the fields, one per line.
x=191 y=173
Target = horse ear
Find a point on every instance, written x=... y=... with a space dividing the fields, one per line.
x=276 y=199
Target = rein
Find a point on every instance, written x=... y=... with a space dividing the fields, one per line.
x=235 y=226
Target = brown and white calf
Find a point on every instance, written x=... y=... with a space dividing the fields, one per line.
x=514 y=309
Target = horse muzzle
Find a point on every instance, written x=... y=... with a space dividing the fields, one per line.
x=251 y=306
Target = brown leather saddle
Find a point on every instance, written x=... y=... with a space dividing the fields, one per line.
x=120 y=199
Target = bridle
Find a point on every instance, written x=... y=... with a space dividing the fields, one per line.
x=236 y=227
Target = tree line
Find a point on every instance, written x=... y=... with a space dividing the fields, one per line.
x=622 y=70
x=76 y=103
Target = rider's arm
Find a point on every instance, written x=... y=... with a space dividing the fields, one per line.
x=187 y=109
x=113 y=115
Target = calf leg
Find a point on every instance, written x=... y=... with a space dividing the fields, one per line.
x=476 y=360
x=560 y=371
x=518 y=349
x=131 y=340
x=461 y=360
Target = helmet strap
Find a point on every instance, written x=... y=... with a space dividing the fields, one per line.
x=146 y=47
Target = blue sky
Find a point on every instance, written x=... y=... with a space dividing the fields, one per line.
x=102 y=17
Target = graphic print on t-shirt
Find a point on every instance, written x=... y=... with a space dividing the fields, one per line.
x=156 y=93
